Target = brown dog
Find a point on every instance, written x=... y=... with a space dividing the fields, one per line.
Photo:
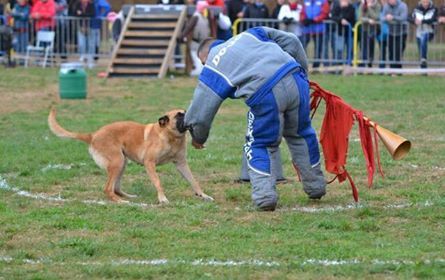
x=150 y=145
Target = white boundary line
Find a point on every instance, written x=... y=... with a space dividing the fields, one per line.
x=226 y=263
x=41 y=196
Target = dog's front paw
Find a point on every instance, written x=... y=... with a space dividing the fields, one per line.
x=163 y=200
x=205 y=197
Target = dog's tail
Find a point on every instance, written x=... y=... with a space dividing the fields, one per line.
x=61 y=132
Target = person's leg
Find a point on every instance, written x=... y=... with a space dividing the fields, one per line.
x=333 y=34
x=383 y=49
x=348 y=42
x=364 y=46
x=264 y=193
x=305 y=40
x=81 y=41
x=392 y=51
x=22 y=42
x=92 y=37
x=325 y=46
x=419 y=46
x=90 y=46
x=262 y=141
x=399 y=49
x=318 y=49
x=244 y=177
x=63 y=38
x=371 y=49
x=293 y=100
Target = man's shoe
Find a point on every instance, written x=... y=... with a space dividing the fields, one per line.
x=317 y=195
x=267 y=206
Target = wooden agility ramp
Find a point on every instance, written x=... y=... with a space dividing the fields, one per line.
x=147 y=41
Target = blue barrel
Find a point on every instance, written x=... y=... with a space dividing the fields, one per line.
x=72 y=81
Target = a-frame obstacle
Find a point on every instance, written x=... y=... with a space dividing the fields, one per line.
x=147 y=41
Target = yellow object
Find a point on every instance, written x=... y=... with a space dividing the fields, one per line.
x=355 y=61
x=235 y=26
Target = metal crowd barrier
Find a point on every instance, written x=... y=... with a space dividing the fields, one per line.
x=362 y=45
x=374 y=45
x=66 y=42
x=332 y=47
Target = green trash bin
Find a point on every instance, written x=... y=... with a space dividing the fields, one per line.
x=72 y=81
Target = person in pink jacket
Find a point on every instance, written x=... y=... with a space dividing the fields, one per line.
x=43 y=13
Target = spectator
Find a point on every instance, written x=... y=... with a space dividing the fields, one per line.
x=330 y=33
x=86 y=43
x=369 y=14
x=441 y=12
x=382 y=38
x=255 y=9
x=395 y=13
x=117 y=25
x=102 y=8
x=234 y=9
x=423 y=16
x=277 y=9
x=344 y=15
x=290 y=15
x=312 y=16
x=197 y=29
x=20 y=13
x=43 y=12
x=61 y=28
x=10 y=4
x=223 y=26
x=116 y=21
x=219 y=19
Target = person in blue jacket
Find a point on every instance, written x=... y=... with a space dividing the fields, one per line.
x=102 y=8
x=272 y=79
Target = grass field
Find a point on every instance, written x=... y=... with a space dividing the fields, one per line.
x=56 y=223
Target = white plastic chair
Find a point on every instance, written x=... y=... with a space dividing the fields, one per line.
x=44 y=46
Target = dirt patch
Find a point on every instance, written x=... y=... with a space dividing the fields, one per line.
x=28 y=101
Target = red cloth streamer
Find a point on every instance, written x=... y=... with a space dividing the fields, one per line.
x=334 y=135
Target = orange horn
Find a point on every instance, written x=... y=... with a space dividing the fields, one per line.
x=396 y=145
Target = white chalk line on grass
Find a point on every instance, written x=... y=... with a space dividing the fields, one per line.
x=41 y=196
x=226 y=263
x=61 y=166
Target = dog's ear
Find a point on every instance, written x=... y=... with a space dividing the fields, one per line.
x=163 y=121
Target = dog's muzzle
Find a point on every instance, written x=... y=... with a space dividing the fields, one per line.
x=180 y=126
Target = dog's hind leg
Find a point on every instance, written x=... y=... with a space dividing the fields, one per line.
x=114 y=168
x=117 y=186
x=185 y=171
x=150 y=167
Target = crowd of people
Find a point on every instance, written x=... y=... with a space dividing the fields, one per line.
x=327 y=23
x=29 y=17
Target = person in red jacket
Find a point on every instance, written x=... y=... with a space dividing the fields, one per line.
x=43 y=12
